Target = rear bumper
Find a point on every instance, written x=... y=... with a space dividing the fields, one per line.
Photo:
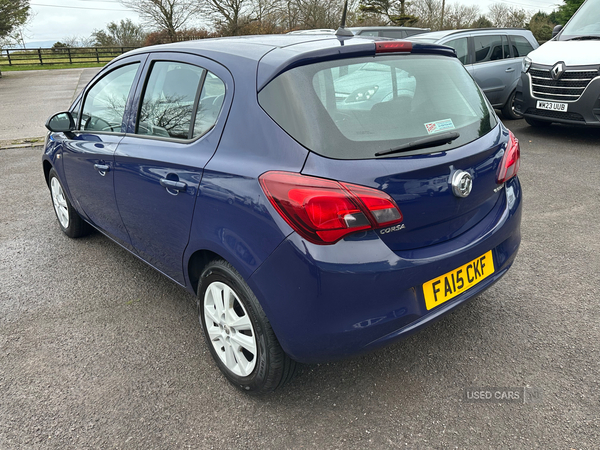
x=583 y=112
x=330 y=302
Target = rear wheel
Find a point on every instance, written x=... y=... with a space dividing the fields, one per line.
x=69 y=220
x=238 y=333
x=537 y=123
x=508 y=111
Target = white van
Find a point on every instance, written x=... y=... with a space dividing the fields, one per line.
x=560 y=81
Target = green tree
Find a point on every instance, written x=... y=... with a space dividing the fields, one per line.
x=122 y=34
x=541 y=25
x=393 y=10
x=482 y=22
x=565 y=11
x=13 y=13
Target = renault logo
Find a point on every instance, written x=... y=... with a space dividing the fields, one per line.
x=462 y=183
x=557 y=71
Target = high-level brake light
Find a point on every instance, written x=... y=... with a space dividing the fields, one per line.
x=393 y=47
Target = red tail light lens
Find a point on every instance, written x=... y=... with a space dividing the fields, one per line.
x=324 y=211
x=511 y=161
x=393 y=47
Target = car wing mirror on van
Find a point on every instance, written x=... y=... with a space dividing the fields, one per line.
x=556 y=30
x=62 y=122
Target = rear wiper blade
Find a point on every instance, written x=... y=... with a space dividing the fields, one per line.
x=585 y=38
x=430 y=141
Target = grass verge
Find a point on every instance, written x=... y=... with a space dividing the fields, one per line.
x=16 y=68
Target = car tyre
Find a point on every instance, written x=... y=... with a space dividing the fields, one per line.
x=69 y=220
x=238 y=333
x=537 y=123
x=508 y=111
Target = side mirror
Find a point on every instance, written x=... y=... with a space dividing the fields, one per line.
x=61 y=122
x=556 y=30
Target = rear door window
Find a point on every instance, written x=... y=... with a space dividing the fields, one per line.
x=491 y=48
x=169 y=98
x=521 y=46
x=180 y=101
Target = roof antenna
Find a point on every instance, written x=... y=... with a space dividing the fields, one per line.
x=342 y=31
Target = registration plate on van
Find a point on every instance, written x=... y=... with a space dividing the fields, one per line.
x=553 y=106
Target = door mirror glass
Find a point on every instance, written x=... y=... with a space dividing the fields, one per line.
x=61 y=122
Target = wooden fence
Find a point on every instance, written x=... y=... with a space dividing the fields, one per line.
x=65 y=55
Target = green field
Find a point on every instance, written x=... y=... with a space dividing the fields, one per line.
x=7 y=68
x=36 y=59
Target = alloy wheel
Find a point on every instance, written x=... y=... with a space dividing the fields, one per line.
x=230 y=329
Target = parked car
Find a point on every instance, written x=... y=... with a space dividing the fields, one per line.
x=493 y=57
x=559 y=81
x=310 y=227
x=315 y=31
x=389 y=32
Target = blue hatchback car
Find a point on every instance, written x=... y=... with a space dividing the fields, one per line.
x=321 y=195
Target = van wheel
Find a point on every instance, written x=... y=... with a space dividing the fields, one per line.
x=537 y=123
x=508 y=111
x=238 y=333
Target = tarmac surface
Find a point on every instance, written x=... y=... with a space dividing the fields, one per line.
x=28 y=98
x=98 y=350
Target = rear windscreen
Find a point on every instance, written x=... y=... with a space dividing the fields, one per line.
x=353 y=108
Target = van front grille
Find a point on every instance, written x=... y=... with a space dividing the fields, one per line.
x=567 y=89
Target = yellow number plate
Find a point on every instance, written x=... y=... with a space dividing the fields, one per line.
x=442 y=289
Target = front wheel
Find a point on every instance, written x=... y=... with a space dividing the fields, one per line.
x=238 y=333
x=508 y=111
x=69 y=220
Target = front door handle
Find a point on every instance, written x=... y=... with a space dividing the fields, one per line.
x=510 y=69
x=102 y=168
x=173 y=185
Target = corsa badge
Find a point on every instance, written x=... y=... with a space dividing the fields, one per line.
x=462 y=183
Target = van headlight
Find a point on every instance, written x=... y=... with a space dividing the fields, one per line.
x=526 y=64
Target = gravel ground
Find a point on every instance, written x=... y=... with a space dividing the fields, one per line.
x=97 y=350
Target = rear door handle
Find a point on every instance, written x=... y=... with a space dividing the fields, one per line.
x=510 y=69
x=174 y=185
x=102 y=168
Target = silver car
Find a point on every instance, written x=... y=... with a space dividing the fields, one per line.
x=492 y=56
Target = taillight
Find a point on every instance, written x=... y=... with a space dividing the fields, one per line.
x=509 y=166
x=393 y=46
x=324 y=211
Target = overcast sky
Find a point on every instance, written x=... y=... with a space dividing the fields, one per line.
x=58 y=19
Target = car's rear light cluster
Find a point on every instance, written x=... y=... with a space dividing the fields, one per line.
x=511 y=161
x=393 y=47
x=324 y=211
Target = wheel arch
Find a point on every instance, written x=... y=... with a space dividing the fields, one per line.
x=47 y=168
x=196 y=264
